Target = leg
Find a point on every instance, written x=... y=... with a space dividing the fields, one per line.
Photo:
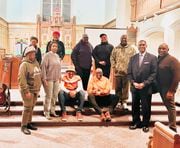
x=85 y=77
x=170 y=105
x=125 y=89
x=136 y=108
x=81 y=97
x=113 y=99
x=92 y=101
x=62 y=97
x=146 y=109
x=118 y=87
x=54 y=97
x=47 y=102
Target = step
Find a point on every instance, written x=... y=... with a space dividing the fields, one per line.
x=93 y=120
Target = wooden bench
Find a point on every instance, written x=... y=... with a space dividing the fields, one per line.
x=163 y=137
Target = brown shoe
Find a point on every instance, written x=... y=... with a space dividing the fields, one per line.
x=102 y=117
x=64 y=116
x=79 y=116
x=108 y=116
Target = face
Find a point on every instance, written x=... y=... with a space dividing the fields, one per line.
x=56 y=36
x=98 y=75
x=34 y=42
x=31 y=56
x=103 y=38
x=124 y=40
x=163 y=49
x=54 y=47
x=85 y=39
x=142 y=46
x=70 y=74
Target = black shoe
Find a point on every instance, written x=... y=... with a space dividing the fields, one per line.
x=25 y=130
x=31 y=127
x=174 y=129
x=145 y=129
x=134 y=126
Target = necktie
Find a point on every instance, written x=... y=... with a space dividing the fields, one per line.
x=140 y=59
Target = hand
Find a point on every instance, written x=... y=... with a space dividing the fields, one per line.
x=72 y=94
x=141 y=85
x=94 y=92
x=28 y=95
x=136 y=85
x=170 y=95
x=102 y=63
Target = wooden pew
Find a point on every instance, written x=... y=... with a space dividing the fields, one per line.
x=163 y=137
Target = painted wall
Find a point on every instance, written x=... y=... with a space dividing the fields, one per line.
x=168 y=27
x=3 y=6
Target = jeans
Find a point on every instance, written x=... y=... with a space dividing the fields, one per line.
x=79 y=98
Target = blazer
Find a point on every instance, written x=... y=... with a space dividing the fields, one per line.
x=146 y=73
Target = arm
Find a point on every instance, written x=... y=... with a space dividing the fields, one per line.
x=153 y=72
x=175 y=68
x=113 y=58
x=22 y=78
x=74 y=55
x=129 y=71
x=62 y=50
x=44 y=66
x=107 y=89
x=80 y=86
x=47 y=47
x=64 y=88
x=94 y=54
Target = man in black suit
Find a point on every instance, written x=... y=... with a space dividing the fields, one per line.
x=142 y=70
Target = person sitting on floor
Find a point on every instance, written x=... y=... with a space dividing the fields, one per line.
x=71 y=90
x=99 y=95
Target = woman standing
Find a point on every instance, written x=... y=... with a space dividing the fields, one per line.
x=51 y=75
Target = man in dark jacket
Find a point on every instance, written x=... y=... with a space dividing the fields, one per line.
x=168 y=77
x=34 y=42
x=101 y=55
x=142 y=70
x=82 y=59
x=61 y=49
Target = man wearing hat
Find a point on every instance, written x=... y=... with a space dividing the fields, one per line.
x=61 y=49
x=99 y=95
x=101 y=54
x=29 y=78
x=72 y=91
x=82 y=59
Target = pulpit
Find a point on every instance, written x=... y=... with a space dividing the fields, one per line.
x=9 y=67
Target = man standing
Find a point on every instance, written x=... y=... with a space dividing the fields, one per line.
x=61 y=49
x=119 y=61
x=168 y=77
x=142 y=72
x=81 y=57
x=29 y=79
x=101 y=54
x=99 y=95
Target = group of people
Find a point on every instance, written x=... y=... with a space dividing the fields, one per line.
x=144 y=72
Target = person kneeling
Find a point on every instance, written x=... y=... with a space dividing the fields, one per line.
x=99 y=95
x=71 y=90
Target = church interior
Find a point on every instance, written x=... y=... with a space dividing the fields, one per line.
x=155 y=21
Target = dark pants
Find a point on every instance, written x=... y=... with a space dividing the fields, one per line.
x=84 y=74
x=145 y=99
x=170 y=105
x=100 y=101
x=79 y=99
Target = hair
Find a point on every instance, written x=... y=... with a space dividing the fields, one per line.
x=34 y=38
x=102 y=34
x=142 y=41
x=51 y=43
